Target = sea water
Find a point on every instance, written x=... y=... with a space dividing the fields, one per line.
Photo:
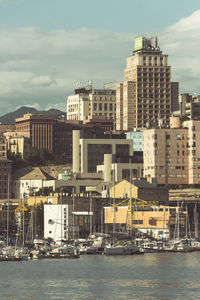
x=149 y=276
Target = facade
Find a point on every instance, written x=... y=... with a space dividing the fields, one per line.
x=92 y=104
x=35 y=200
x=122 y=168
x=154 y=221
x=38 y=128
x=139 y=189
x=88 y=153
x=5 y=170
x=55 y=135
x=172 y=155
x=147 y=93
x=18 y=145
x=58 y=222
x=47 y=132
x=31 y=182
x=189 y=107
x=138 y=139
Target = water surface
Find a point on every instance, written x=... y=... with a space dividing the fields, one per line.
x=150 y=276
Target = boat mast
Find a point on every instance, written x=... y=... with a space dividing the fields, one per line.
x=8 y=208
x=186 y=223
x=131 y=216
x=61 y=226
x=90 y=213
x=114 y=212
x=23 y=222
x=195 y=221
x=35 y=215
x=73 y=213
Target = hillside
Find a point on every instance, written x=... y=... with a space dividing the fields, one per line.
x=10 y=117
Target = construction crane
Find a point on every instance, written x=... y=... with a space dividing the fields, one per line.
x=20 y=208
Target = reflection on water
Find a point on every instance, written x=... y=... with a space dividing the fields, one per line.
x=149 y=276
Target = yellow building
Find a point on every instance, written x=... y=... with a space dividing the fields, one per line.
x=157 y=221
x=35 y=200
x=157 y=218
x=139 y=189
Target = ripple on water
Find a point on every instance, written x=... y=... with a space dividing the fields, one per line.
x=152 y=276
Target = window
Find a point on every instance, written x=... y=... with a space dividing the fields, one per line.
x=137 y=221
x=152 y=222
x=168 y=144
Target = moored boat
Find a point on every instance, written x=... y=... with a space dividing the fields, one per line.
x=122 y=250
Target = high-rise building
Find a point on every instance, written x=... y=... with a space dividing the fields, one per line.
x=172 y=155
x=147 y=94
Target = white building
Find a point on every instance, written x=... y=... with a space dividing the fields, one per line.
x=30 y=181
x=92 y=104
x=58 y=221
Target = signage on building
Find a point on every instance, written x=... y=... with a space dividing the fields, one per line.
x=84 y=84
x=139 y=43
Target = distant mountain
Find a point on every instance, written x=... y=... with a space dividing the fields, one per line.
x=10 y=117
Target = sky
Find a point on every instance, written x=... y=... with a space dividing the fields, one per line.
x=48 y=46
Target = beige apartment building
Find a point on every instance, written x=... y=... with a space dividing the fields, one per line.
x=189 y=107
x=147 y=93
x=91 y=104
x=18 y=145
x=172 y=155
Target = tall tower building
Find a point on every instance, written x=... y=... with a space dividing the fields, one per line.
x=147 y=94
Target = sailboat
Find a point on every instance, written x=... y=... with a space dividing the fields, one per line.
x=126 y=248
x=8 y=252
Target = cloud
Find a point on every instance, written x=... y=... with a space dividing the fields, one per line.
x=182 y=42
x=39 y=81
x=43 y=66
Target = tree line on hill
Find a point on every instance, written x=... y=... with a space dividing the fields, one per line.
x=37 y=157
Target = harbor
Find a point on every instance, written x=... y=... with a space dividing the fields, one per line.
x=95 y=245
